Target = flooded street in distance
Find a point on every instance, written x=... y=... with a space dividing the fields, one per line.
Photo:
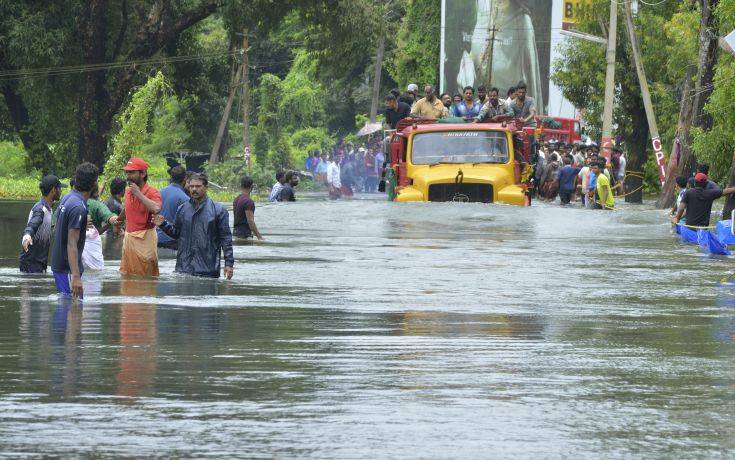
x=372 y=329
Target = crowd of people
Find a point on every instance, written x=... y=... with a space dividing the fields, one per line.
x=480 y=106
x=345 y=171
x=180 y=218
x=577 y=172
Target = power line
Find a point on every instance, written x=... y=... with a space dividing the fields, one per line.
x=70 y=70
x=65 y=70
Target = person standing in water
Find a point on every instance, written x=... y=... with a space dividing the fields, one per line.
x=99 y=219
x=172 y=196
x=142 y=202
x=70 y=233
x=202 y=228
x=37 y=234
x=244 y=210
x=697 y=202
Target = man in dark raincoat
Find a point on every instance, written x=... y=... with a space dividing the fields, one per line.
x=202 y=228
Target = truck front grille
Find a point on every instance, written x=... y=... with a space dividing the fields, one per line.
x=461 y=193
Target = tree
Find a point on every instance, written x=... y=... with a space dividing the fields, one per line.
x=134 y=122
x=38 y=38
x=580 y=75
x=698 y=120
x=416 y=59
x=160 y=27
x=715 y=145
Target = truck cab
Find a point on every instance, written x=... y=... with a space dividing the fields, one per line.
x=459 y=162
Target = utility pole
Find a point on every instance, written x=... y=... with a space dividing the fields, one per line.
x=607 y=117
x=214 y=156
x=376 y=78
x=492 y=31
x=245 y=99
x=647 y=104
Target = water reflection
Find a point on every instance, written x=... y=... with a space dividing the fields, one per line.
x=66 y=346
x=138 y=348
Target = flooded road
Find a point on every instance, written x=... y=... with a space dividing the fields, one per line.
x=371 y=329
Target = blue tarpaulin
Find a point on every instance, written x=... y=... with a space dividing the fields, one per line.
x=687 y=235
x=710 y=244
x=724 y=232
x=704 y=238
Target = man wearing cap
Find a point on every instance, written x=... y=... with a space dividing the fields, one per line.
x=411 y=94
x=142 y=202
x=36 y=239
x=697 y=202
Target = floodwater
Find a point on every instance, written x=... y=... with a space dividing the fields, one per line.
x=370 y=329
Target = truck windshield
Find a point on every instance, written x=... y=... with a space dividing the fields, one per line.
x=459 y=147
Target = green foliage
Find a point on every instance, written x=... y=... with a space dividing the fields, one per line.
x=14 y=160
x=19 y=188
x=281 y=154
x=134 y=123
x=310 y=139
x=228 y=174
x=301 y=100
x=417 y=52
x=716 y=146
x=169 y=132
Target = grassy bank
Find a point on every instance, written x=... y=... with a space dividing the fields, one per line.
x=17 y=182
x=26 y=188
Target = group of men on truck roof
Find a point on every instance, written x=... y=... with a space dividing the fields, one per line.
x=487 y=107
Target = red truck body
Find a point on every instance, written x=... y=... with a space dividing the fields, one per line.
x=570 y=130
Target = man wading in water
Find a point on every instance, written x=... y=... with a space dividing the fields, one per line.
x=202 y=228
x=697 y=202
x=37 y=234
x=70 y=233
x=142 y=202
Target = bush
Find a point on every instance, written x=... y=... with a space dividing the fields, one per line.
x=227 y=174
x=14 y=161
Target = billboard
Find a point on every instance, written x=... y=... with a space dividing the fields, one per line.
x=511 y=36
x=571 y=11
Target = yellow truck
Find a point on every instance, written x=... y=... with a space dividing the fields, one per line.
x=459 y=162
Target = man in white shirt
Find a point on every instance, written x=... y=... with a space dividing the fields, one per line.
x=278 y=186
x=333 y=181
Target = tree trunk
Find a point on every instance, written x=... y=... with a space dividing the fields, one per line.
x=93 y=128
x=680 y=160
x=637 y=153
x=708 y=46
x=376 y=79
x=730 y=201
x=214 y=156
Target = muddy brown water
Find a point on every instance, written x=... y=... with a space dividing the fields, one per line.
x=370 y=329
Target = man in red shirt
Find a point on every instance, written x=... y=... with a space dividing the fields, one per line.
x=142 y=202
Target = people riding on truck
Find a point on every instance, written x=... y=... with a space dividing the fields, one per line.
x=494 y=107
x=429 y=106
